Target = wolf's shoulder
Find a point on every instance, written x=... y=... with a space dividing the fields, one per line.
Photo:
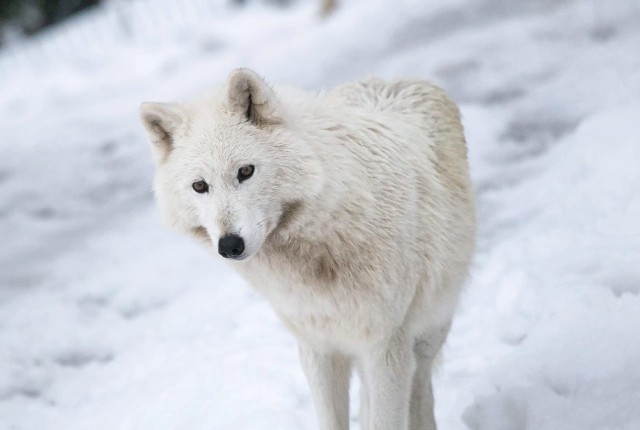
x=402 y=96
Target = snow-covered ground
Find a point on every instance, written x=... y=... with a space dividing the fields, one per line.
x=110 y=321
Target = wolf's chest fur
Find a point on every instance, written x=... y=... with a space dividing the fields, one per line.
x=334 y=293
x=318 y=298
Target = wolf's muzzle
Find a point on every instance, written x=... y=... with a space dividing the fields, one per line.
x=231 y=246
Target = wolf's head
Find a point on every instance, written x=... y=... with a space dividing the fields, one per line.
x=230 y=167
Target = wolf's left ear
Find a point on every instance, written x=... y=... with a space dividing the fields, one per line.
x=162 y=121
x=252 y=98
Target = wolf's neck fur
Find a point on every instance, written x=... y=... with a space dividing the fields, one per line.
x=311 y=233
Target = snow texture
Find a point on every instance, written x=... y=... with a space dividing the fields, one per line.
x=108 y=320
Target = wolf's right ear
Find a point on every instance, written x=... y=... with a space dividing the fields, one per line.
x=161 y=120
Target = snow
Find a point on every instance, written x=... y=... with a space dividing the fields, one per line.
x=110 y=321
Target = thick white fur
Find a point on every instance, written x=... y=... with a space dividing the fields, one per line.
x=358 y=221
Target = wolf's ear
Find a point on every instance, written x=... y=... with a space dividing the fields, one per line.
x=161 y=120
x=252 y=98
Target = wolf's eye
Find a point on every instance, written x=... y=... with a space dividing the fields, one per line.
x=200 y=187
x=245 y=172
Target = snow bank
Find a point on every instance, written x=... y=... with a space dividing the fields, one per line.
x=562 y=283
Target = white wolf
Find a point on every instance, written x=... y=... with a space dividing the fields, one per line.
x=351 y=211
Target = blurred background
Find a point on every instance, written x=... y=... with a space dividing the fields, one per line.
x=108 y=320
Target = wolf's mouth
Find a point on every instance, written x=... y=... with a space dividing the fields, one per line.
x=201 y=233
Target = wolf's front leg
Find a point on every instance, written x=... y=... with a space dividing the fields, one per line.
x=388 y=369
x=328 y=376
x=425 y=349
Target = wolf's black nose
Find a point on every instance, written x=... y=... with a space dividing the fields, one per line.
x=231 y=246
